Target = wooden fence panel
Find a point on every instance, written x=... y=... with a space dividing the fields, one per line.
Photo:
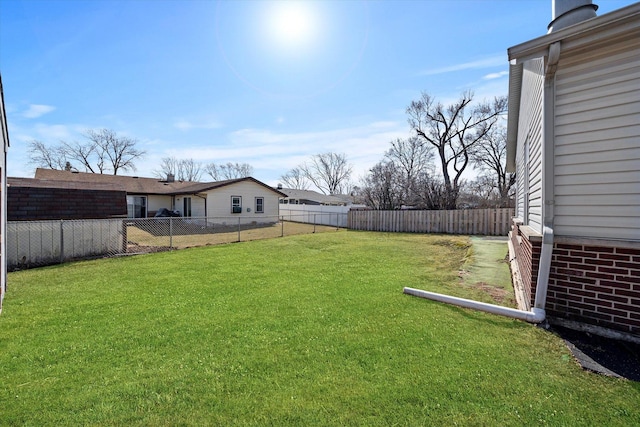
x=484 y=222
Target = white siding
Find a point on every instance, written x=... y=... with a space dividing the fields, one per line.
x=597 y=137
x=219 y=201
x=529 y=155
x=155 y=202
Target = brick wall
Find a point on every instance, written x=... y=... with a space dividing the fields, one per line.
x=527 y=246
x=590 y=281
x=597 y=284
x=34 y=203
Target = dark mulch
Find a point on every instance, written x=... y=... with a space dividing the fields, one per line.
x=606 y=356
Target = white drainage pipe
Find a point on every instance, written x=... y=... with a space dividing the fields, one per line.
x=536 y=315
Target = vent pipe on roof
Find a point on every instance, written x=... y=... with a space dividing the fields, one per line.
x=570 y=12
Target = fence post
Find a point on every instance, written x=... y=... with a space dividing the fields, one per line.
x=238 y=229
x=170 y=233
x=314 y=223
x=61 y=241
x=282 y=226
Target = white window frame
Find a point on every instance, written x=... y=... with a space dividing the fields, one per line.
x=236 y=207
x=261 y=210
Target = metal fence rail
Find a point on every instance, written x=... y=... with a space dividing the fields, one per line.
x=39 y=243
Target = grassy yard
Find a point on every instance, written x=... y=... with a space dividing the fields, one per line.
x=303 y=330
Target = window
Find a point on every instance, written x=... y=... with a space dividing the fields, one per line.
x=186 y=203
x=236 y=204
x=259 y=204
x=136 y=206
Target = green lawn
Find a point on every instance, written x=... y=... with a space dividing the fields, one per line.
x=303 y=330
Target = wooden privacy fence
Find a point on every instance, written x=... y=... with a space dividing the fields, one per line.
x=486 y=222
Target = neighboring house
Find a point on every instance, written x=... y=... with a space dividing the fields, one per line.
x=242 y=197
x=32 y=199
x=308 y=197
x=4 y=135
x=574 y=143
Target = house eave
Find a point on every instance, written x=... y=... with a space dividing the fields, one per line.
x=513 y=114
x=577 y=35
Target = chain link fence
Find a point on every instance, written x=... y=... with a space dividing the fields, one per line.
x=39 y=243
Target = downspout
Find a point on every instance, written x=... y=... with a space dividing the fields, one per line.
x=548 y=174
x=537 y=313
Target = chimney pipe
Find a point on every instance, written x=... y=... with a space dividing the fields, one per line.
x=570 y=12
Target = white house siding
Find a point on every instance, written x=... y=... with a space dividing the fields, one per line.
x=155 y=202
x=597 y=137
x=219 y=201
x=529 y=156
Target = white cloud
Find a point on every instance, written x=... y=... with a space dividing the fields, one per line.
x=488 y=62
x=275 y=153
x=37 y=110
x=497 y=75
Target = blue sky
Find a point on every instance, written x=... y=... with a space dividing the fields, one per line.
x=268 y=83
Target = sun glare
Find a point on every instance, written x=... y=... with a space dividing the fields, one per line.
x=292 y=24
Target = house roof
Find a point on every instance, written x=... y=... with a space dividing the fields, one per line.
x=139 y=185
x=324 y=199
x=70 y=185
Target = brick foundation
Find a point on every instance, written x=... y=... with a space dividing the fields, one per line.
x=591 y=281
x=527 y=245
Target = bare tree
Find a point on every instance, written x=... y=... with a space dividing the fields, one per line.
x=329 y=172
x=228 y=170
x=413 y=159
x=102 y=151
x=42 y=156
x=189 y=170
x=119 y=151
x=213 y=171
x=295 y=179
x=85 y=155
x=168 y=166
x=381 y=188
x=454 y=131
x=490 y=156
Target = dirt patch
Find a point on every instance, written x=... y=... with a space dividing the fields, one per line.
x=499 y=295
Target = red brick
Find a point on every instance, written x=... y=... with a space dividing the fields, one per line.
x=628 y=251
x=615 y=284
x=629 y=279
x=615 y=257
x=629 y=293
x=583 y=267
x=599 y=289
x=598 y=302
x=612 y=311
x=614 y=298
x=627 y=307
x=620 y=271
x=626 y=321
x=599 y=249
x=569 y=246
x=583 y=254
